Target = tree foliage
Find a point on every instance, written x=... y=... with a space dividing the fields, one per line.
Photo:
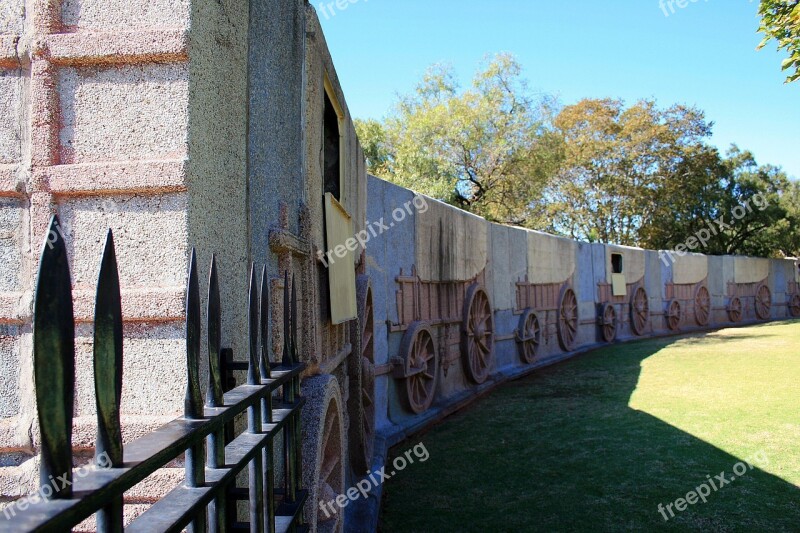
x=618 y=164
x=598 y=171
x=780 y=21
x=487 y=149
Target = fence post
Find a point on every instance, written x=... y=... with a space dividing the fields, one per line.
x=108 y=347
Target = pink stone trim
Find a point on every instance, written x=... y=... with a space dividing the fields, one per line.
x=138 y=305
x=45 y=115
x=92 y=48
x=8 y=52
x=129 y=177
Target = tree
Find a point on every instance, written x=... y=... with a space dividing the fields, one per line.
x=487 y=149
x=618 y=164
x=780 y=21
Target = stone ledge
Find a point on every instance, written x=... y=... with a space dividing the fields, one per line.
x=119 y=47
x=84 y=429
x=138 y=305
x=15 y=307
x=129 y=177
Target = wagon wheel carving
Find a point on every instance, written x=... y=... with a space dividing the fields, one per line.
x=477 y=334
x=529 y=336
x=735 y=309
x=421 y=367
x=608 y=322
x=673 y=315
x=323 y=437
x=702 y=306
x=361 y=365
x=763 y=302
x=567 y=319
x=794 y=305
x=640 y=311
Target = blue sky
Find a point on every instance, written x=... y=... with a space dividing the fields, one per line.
x=702 y=55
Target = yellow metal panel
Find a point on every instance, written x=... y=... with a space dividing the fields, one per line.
x=618 y=285
x=341 y=267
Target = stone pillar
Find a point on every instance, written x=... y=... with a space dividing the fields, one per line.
x=130 y=115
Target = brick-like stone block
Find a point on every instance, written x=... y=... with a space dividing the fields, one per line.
x=125 y=14
x=150 y=235
x=124 y=113
x=10 y=119
x=9 y=372
x=12 y=15
x=154 y=371
x=10 y=244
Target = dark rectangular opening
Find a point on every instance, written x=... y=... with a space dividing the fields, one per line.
x=331 y=154
x=616 y=263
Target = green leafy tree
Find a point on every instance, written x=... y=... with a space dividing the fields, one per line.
x=742 y=208
x=780 y=21
x=618 y=163
x=488 y=149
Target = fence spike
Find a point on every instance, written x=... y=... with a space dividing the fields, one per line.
x=253 y=375
x=193 y=405
x=265 y=369
x=215 y=392
x=54 y=360
x=287 y=358
x=108 y=359
x=294 y=321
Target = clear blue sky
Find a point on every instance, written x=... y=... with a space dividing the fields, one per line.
x=702 y=55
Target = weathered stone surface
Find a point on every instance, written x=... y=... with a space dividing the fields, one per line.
x=150 y=238
x=154 y=373
x=124 y=113
x=127 y=14
x=12 y=13
x=9 y=374
x=10 y=244
x=10 y=117
x=550 y=259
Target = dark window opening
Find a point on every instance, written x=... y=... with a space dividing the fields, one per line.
x=616 y=263
x=331 y=152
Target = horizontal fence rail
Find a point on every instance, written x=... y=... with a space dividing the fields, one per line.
x=214 y=456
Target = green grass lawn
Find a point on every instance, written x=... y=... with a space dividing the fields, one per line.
x=598 y=442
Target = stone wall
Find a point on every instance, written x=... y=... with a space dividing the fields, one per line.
x=129 y=115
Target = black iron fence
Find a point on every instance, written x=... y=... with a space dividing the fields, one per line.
x=214 y=455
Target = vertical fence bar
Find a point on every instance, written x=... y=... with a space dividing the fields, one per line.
x=298 y=438
x=193 y=405
x=108 y=378
x=266 y=409
x=217 y=522
x=290 y=488
x=256 y=466
x=54 y=363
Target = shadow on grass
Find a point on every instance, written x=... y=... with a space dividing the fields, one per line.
x=562 y=450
